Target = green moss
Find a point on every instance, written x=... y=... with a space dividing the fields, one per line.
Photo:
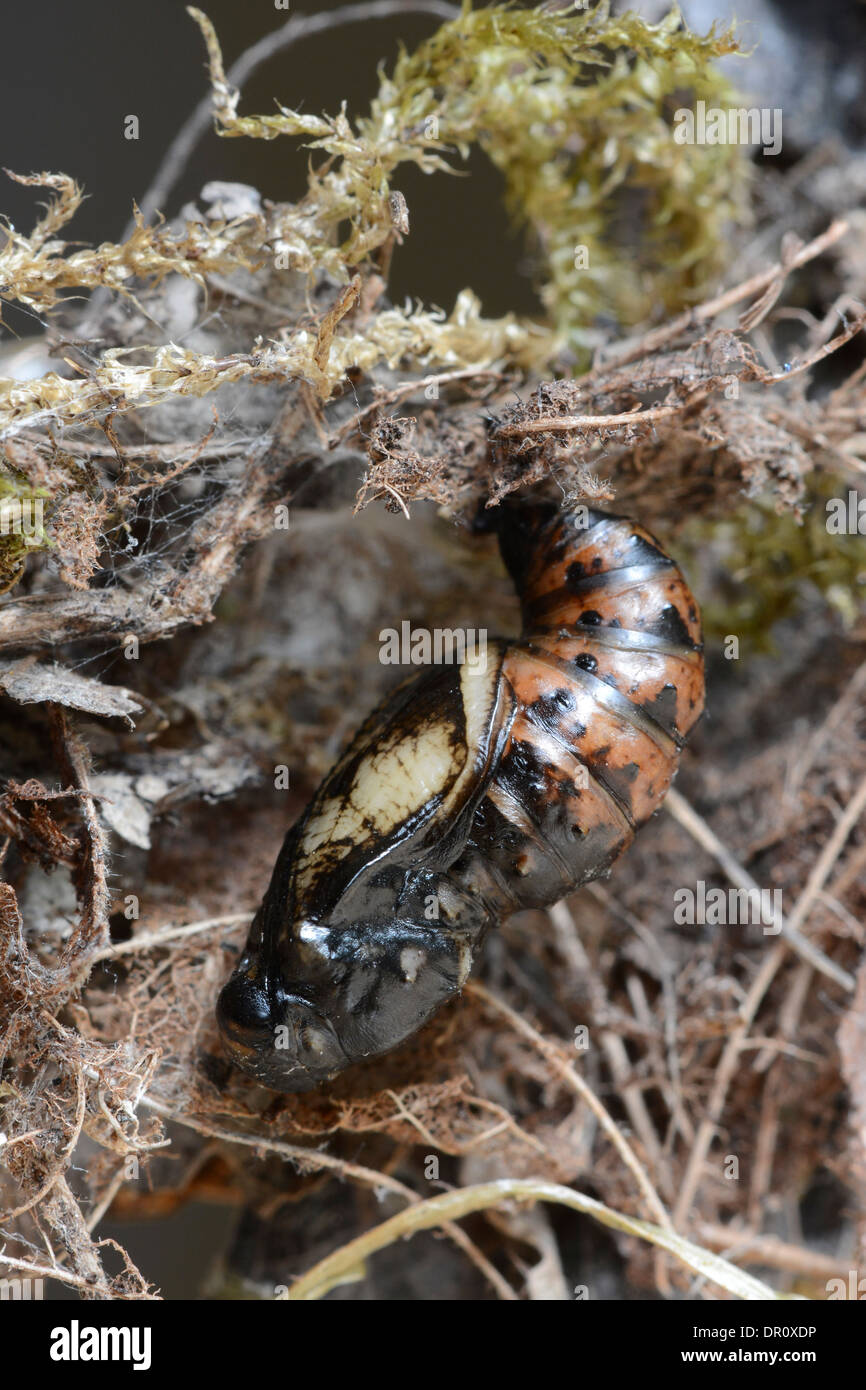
x=22 y=530
x=771 y=561
x=575 y=108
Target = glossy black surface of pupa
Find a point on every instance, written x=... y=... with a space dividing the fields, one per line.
x=473 y=791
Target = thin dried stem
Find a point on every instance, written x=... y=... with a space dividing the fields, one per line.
x=314 y=1158
x=705 y=836
x=152 y=941
x=553 y=1054
x=343 y=1266
x=704 y=313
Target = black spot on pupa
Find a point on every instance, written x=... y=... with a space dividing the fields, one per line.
x=575 y=572
x=548 y=708
x=586 y=662
x=670 y=626
x=523 y=772
x=589 y=618
x=663 y=709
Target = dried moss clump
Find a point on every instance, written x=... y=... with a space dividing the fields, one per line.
x=574 y=107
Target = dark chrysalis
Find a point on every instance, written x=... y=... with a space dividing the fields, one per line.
x=473 y=791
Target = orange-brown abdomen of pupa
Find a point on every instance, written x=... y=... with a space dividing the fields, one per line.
x=608 y=677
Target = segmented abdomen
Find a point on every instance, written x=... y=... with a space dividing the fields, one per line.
x=608 y=679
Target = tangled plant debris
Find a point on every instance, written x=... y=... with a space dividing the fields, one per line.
x=140 y=810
